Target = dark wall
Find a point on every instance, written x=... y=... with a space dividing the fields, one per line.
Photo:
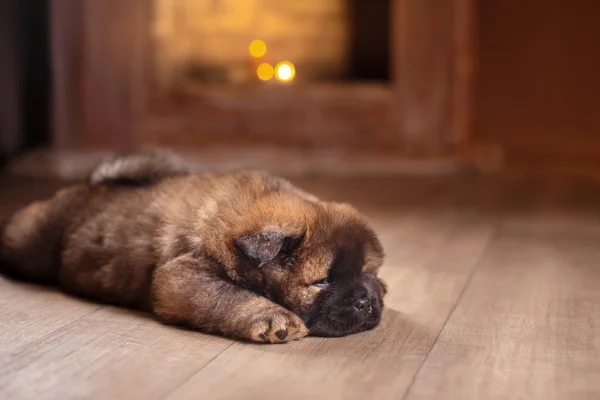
x=10 y=101
x=36 y=72
x=370 y=45
x=24 y=76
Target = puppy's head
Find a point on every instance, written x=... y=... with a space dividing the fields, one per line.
x=319 y=260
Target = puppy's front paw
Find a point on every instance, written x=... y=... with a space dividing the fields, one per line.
x=277 y=326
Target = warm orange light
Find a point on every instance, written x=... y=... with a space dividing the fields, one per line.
x=285 y=71
x=265 y=71
x=257 y=48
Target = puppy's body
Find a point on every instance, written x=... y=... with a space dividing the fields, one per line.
x=244 y=254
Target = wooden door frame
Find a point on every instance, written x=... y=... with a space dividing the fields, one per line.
x=103 y=94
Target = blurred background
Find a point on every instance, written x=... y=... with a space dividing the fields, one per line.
x=348 y=85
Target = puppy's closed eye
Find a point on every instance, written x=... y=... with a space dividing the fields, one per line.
x=321 y=283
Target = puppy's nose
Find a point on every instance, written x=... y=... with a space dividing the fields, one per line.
x=361 y=305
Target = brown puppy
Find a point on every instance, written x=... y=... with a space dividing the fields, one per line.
x=243 y=254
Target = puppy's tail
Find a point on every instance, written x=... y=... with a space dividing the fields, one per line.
x=138 y=168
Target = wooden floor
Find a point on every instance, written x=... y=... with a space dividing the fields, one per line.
x=494 y=293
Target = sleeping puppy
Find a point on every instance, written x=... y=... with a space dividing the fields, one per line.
x=242 y=254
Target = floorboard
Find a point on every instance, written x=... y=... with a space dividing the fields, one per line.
x=528 y=325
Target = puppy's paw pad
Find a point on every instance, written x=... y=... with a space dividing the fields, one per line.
x=281 y=334
x=279 y=326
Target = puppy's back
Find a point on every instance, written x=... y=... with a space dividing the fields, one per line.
x=31 y=240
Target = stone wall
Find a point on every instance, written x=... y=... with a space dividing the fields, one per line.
x=212 y=34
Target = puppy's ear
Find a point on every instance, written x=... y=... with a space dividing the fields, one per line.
x=264 y=247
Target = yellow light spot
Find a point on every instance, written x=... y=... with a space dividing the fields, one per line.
x=257 y=48
x=265 y=71
x=285 y=71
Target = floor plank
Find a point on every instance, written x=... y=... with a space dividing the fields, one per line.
x=528 y=325
x=29 y=313
x=91 y=359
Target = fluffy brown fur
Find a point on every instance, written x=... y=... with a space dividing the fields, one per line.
x=243 y=254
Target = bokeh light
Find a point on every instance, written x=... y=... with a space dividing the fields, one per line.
x=265 y=71
x=285 y=71
x=257 y=48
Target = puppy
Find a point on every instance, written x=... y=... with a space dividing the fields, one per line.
x=242 y=254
